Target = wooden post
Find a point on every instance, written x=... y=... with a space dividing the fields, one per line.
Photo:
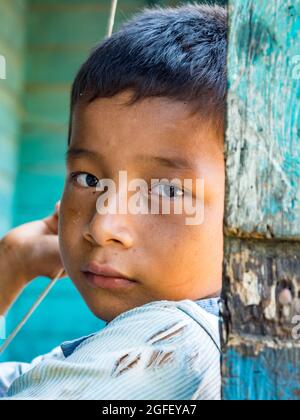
x=261 y=311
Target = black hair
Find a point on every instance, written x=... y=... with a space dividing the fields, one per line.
x=178 y=53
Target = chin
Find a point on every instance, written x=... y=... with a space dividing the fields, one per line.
x=100 y=310
x=106 y=314
x=105 y=308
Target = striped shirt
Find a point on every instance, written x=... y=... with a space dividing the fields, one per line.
x=164 y=350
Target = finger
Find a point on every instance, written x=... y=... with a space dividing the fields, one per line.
x=52 y=223
x=57 y=207
x=50 y=257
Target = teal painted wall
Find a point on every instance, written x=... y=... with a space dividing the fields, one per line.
x=12 y=15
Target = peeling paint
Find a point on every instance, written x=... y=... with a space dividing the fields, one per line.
x=270 y=310
x=263 y=176
x=273 y=374
x=261 y=288
x=249 y=290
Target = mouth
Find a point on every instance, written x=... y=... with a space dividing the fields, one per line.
x=105 y=277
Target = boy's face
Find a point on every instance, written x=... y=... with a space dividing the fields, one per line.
x=167 y=258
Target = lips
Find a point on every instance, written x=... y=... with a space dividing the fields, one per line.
x=104 y=276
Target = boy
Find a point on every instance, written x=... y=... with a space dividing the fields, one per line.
x=149 y=101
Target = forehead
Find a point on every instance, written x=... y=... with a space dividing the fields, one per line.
x=152 y=125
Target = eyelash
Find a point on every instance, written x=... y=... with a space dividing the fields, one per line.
x=171 y=186
x=74 y=178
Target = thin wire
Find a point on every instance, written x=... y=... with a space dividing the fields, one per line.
x=112 y=17
x=31 y=311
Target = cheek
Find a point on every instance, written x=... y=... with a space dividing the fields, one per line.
x=76 y=207
x=170 y=239
x=182 y=247
x=71 y=220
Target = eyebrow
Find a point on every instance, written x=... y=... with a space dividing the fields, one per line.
x=170 y=162
x=77 y=153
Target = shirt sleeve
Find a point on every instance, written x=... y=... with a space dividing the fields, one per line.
x=152 y=352
x=10 y=371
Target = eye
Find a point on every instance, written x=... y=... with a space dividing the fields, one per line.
x=85 y=180
x=167 y=191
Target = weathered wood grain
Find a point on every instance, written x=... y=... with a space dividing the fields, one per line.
x=262 y=288
x=261 y=294
x=263 y=151
x=268 y=374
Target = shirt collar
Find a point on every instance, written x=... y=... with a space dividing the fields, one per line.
x=68 y=347
x=211 y=305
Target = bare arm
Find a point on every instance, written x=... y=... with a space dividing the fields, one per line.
x=11 y=278
x=26 y=252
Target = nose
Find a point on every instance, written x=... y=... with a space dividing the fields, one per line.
x=108 y=229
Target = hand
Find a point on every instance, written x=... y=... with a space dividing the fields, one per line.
x=34 y=248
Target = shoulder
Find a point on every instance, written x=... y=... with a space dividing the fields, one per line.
x=163 y=350
x=181 y=319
